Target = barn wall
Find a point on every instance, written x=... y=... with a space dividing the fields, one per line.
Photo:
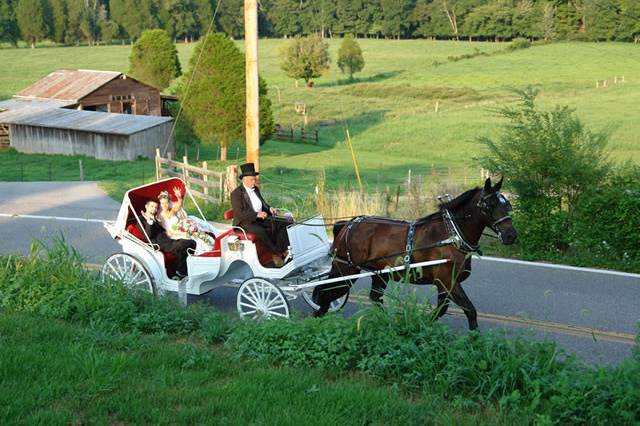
x=29 y=139
x=147 y=99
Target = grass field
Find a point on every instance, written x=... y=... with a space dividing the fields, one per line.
x=57 y=373
x=389 y=111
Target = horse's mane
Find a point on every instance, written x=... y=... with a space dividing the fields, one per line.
x=460 y=200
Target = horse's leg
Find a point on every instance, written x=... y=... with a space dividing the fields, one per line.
x=377 y=289
x=461 y=299
x=324 y=294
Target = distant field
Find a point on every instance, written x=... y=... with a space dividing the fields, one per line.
x=390 y=111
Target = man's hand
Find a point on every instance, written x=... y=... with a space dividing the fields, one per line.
x=262 y=215
x=273 y=211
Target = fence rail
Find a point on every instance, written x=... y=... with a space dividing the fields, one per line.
x=209 y=185
x=295 y=134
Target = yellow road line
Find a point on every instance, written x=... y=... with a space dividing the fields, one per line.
x=548 y=326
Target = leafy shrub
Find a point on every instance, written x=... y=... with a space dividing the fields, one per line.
x=606 y=220
x=519 y=43
x=306 y=58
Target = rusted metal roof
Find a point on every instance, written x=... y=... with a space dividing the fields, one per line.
x=68 y=85
x=86 y=121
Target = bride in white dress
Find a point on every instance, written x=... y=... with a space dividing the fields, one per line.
x=177 y=225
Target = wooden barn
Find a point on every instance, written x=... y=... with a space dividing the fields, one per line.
x=104 y=91
x=43 y=127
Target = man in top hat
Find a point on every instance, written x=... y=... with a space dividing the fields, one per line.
x=252 y=213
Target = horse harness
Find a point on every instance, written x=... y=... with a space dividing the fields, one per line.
x=455 y=236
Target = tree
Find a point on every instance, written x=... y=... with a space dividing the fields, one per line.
x=134 y=16
x=108 y=29
x=8 y=24
x=215 y=103
x=59 y=12
x=350 y=58
x=231 y=18
x=305 y=58
x=154 y=59
x=31 y=21
x=630 y=21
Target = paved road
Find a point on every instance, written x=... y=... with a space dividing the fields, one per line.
x=503 y=290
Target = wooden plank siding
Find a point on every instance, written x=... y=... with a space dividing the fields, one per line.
x=144 y=99
x=104 y=146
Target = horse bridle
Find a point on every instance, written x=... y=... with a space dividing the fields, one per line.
x=485 y=211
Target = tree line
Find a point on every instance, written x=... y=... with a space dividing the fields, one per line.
x=103 y=21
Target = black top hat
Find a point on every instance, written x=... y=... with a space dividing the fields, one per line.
x=248 y=169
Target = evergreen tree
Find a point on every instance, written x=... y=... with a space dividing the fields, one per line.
x=31 y=20
x=285 y=17
x=319 y=16
x=108 y=29
x=601 y=18
x=134 y=16
x=231 y=18
x=305 y=58
x=203 y=16
x=350 y=58
x=215 y=103
x=8 y=24
x=154 y=59
x=395 y=16
x=629 y=28
x=59 y=24
x=347 y=16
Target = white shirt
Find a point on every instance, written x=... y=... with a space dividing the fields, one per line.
x=255 y=200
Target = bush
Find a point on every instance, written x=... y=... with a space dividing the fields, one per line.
x=550 y=159
x=519 y=43
x=606 y=220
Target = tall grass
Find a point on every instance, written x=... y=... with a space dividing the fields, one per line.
x=401 y=345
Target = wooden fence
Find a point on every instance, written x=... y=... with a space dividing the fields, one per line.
x=295 y=134
x=205 y=184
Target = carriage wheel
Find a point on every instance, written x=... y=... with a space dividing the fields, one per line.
x=130 y=271
x=258 y=298
x=335 y=306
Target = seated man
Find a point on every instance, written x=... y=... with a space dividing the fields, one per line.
x=252 y=213
x=158 y=235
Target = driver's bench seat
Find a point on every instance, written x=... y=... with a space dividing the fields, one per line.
x=265 y=256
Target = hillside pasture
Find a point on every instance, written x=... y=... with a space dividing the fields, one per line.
x=390 y=108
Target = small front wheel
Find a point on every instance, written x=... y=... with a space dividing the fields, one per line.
x=258 y=298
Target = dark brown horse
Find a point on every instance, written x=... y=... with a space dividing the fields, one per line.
x=373 y=243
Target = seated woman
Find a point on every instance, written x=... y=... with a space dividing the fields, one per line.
x=178 y=225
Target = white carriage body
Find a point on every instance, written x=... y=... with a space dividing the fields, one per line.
x=234 y=259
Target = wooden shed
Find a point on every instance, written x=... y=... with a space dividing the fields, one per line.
x=43 y=129
x=91 y=90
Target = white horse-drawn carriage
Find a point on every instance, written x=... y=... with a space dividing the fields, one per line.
x=235 y=259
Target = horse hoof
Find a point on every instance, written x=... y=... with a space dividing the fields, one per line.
x=317 y=314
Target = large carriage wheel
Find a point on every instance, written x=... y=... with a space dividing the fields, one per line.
x=258 y=298
x=335 y=306
x=130 y=271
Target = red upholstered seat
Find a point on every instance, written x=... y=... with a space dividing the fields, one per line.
x=169 y=258
x=228 y=215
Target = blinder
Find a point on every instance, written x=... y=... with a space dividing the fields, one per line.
x=483 y=205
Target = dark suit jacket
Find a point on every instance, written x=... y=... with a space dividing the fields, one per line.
x=243 y=212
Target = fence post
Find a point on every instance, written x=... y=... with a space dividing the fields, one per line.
x=231 y=180
x=81 y=171
x=185 y=172
x=316 y=134
x=157 y=164
x=205 y=177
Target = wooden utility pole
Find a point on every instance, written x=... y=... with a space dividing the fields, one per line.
x=251 y=69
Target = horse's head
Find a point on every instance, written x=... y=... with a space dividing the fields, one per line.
x=495 y=210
